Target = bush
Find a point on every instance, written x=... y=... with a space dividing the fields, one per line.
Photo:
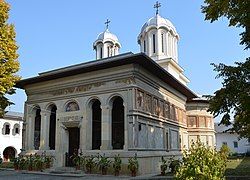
x=201 y=162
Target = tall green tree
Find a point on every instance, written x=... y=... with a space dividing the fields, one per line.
x=233 y=99
x=9 y=64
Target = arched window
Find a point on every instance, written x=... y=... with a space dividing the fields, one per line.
x=144 y=45
x=37 y=130
x=16 y=129
x=72 y=106
x=6 y=129
x=162 y=43
x=117 y=123
x=96 y=124
x=154 y=48
x=169 y=45
x=101 y=53
x=52 y=127
x=108 y=51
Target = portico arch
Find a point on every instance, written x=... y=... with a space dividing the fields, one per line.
x=37 y=127
x=52 y=125
x=96 y=116
x=117 y=116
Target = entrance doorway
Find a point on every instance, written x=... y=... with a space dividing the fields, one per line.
x=74 y=139
x=9 y=153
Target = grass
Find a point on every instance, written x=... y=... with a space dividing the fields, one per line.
x=239 y=166
x=7 y=165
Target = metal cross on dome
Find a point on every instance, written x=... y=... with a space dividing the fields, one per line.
x=107 y=23
x=156 y=6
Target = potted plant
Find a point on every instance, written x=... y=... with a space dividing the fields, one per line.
x=133 y=165
x=103 y=164
x=82 y=162
x=23 y=163
x=30 y=162
x=47 y=161
x=117 y=165
x=76 y=160
x=16 y=162
x=174 y=164
x=38 y=162
x=164 y=166
x=90 y=164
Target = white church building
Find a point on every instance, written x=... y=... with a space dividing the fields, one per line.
x=119 y=103
x=11 y=135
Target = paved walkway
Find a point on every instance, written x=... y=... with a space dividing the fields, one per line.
x=8 y=174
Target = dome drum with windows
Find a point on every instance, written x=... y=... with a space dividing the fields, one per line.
x=106 y=44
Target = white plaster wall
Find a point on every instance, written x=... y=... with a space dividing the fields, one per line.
x=243 y=144
x=11 y=140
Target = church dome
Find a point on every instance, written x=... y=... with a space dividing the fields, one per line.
x=106 y=44
x=107 y=36
x=158 y=22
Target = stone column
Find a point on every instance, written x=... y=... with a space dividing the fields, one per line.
x=125 y=147
x=44 y=139
x=83 y=131
x=106 y=128
x=30 y=137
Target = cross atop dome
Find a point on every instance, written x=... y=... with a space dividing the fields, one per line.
x=156 y=6
x=107 y=23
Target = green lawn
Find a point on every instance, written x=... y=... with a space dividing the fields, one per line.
x=238 y=166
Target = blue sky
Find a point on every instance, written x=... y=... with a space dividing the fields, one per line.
x=58 y=33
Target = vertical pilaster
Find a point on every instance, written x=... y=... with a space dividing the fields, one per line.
x=44 y=138
x=30 y=137
x=84 y=132
x=125 y=147
x=106 y=128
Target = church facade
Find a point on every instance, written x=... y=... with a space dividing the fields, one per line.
x=118 y=104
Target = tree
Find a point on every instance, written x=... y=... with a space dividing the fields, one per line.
x=237 y=12
x=8 y=57
x=202 y=163
x=233 y=99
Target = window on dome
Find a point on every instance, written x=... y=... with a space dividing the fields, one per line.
x=108 y=51
x=144 y=45
x=101 y=53
x=153 y=43
x=162 y=42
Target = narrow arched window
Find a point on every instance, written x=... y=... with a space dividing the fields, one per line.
x=101 y=52
x=108 y=50
x=144 y=45
x=154 y=43
x=7 y=129
x=162 y=43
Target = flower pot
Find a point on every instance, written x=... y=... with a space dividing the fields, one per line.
x=88 y=170
x=163 y=173
x=104 y=171
x=133 y=173
x=47 y=165
x=16 y=167
x=117 y=172
x=30 y=168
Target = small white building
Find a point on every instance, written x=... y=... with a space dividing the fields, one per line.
x=11 y=135
x=230 y=139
